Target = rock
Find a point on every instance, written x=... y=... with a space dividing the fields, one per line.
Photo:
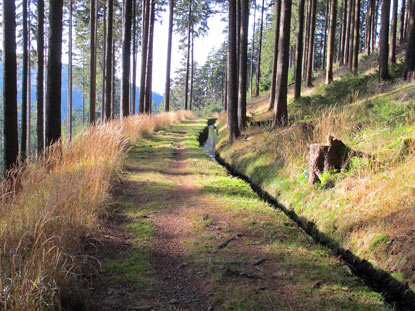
x=110 y=291
x=259 y=262
x=182 y=265
x=173 y=301
x=225 y=243
x=113 y=303
x=142 y=308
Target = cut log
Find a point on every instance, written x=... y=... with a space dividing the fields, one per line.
x=332 y=156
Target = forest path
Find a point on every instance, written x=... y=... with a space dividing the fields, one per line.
x=187 y=236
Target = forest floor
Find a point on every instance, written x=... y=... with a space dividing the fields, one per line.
x=184 y=235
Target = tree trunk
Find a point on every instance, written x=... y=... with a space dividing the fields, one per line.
x=309 y=74
x=192 y=71
x=299 y=54
x=348 y=34
x=109 y=57
x=70 y=74
x=252 y=55
x=356 y=36
x=258 y=64
x=409 y=65
x=326 y=23
x=53 y=93
x=307 y=38
x=402 y=22
x=144 y=38
x=232 y=84
x=243 y=59
x=168 y=67
x=383 y=43
x=343 y=33
x=392 y=45
x=375 y=24
x=149 y=70
x=23 y=143
x=275 y=55
x=114 y=88
x=332 y=37
x=186 y=92
x=39 y=75
x=280 y=117
x=351 y=35
x=126 y=49
x=104 y=51
x=93 y=64
x=29 y=90
x=11 y=143
x=133 y=93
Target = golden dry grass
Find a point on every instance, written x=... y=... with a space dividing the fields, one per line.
x=55 y=204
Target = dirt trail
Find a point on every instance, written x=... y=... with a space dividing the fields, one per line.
x=186 y=236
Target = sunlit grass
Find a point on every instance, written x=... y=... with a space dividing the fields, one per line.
x=55 y=204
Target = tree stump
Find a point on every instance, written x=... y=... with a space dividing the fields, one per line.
x=326 y=158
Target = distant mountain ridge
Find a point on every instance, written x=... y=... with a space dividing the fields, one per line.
x=76 y=91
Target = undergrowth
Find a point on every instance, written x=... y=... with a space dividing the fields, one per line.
x=54 y=204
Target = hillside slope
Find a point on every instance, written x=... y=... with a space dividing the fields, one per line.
x=367 y=207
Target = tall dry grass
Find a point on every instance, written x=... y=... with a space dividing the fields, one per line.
x=55 y=204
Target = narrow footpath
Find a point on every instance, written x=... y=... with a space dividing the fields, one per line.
x=184 y=235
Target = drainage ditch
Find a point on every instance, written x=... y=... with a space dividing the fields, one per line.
x=396 y=293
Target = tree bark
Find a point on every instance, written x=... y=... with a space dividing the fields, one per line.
x=251 y=78
x=126 y=49
x=104 y=52
x=39 y=75
x=168 y=67
x=280 y=117
x=332 y=37
x=232 y=85
x=310 y=55
x=243 y=60
x=383 y=43
x=186 y=92
x=134 y=93
x=348 y=34
x=144 y=39
x=326 y=24
x=402 y=22
x=299 y=54
x=258 y=64
x=23 y=142
x=356 y=36
x=409 y=65
x=54 y=71
x=392 y=44
x=93 y=64
x=69 y=118
x=307 y=38
x=275 y=55
x=149 y=70
x=11 y=143
x=109 y=58
x=343 y=33
x=192 y=71
x=375 y=24
x=351 y=34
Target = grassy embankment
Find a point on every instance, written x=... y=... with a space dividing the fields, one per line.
x=179 y=204
x=368 y=207
x=55 y=206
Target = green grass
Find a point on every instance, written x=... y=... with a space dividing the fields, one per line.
x=368 y=204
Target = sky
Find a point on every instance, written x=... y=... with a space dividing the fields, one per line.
x=203 y=46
